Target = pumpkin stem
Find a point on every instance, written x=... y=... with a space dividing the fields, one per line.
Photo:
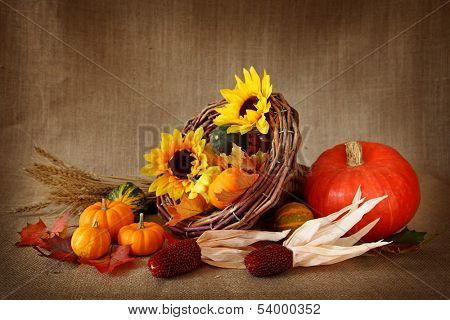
x=103 y=204
x=95 y=224
x=141 y=221
x=353 y=149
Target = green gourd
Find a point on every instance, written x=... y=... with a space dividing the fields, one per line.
x=129 y=194
x=222 y=142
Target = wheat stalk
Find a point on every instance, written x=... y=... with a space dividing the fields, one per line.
x=69 y=187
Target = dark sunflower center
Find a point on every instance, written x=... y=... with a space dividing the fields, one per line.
x=180 y=164
x=248 y=104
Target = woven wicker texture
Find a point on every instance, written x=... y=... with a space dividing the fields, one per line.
x=281 y=176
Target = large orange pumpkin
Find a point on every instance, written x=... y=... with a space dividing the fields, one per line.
x=143 y=238
x=90 y=242
x=379 y=170
x=111 y=215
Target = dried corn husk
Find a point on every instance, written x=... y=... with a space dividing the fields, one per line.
x=317 y=242
x=228 y=248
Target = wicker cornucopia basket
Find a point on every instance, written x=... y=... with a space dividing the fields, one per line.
x=282 y=174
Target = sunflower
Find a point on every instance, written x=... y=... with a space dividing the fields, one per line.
x=247 y=104
x=180 y=164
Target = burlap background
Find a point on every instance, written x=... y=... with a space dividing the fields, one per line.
x=94 y=81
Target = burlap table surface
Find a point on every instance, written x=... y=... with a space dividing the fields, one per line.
x=94 y=82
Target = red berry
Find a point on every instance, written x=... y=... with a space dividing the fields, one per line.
x=178 y=258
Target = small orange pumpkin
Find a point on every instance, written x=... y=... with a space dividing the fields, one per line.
x=291 y=216
x=111 y=215
x=143 y=238
x=90 y=242
x=229 y=185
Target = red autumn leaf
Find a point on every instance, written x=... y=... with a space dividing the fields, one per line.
x=57 y=248
x=101 y=264
x=119 y=255
x=33 y=235
x=170 y=238
x=60 y=224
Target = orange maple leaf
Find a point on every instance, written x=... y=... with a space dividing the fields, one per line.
x=240 y=159
x=187 y=208
x=60 y=225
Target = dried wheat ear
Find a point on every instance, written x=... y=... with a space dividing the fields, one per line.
x=69 y=188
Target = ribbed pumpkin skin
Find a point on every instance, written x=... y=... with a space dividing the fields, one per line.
x=90 y=242
x=331 y=185
x=143 y=241
x=129 y=194
x=291 y=216
x=116 y=215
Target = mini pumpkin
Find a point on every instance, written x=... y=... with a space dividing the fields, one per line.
x=90 y=241
x=143 y=238
x=229 y=185
x=129 y=194
x=111 y=215
x=291 y=216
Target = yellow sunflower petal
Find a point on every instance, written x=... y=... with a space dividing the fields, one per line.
x=266 y=87
x=262 y=125
x=156 y=183
x=247 y=76
x=239 y=83
x=249 y=83
x=252 y=116
x=166 y=143
x=255 y=77
x=151 y=170
x=163 y=185
x=202 y=184
x=153 y=186
x=177 y=193
x=153 y=155
x=198 y=135
x=242 y=129
x=232 y=96
x=177 y=139
x=267 y=107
